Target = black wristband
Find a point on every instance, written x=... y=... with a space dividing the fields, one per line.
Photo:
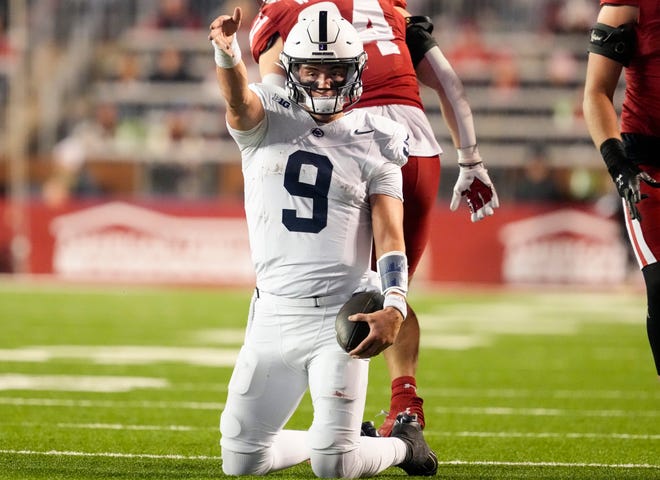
x=613 y=153
x=470 y=165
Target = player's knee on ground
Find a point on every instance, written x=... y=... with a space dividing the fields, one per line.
x=335 y=464
x=257 y=462
x=333 y=455
x=235 y=463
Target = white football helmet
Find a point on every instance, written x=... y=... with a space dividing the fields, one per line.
x=321 y=36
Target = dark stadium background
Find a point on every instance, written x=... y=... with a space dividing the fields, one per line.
x=110 y=111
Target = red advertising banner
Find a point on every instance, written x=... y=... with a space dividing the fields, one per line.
x=207 y=242
x=527 y=244
x=161 y=242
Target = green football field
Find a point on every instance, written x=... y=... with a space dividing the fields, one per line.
x=128 y=382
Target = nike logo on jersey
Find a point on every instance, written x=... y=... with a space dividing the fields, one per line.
x=362 y=132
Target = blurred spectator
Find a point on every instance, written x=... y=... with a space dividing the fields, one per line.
x=562 y=68
x=570 y=16
x=171 y=66
x=505 y=80
x=123 y=67
x=470 y=55
x=577 y=16
x=175 y=149
x=127 y=69
x=584 y=184
x=5 y=46
x=537 y=183
x=176 y=14
x=92 y=137
x=474 y=59
x=5 y=53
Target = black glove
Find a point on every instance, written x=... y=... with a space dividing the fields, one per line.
x=626 y=175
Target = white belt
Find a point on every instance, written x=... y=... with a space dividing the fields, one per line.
x=303 y=302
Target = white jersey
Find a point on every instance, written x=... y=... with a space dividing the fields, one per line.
x=307 y=189
x=422 y=138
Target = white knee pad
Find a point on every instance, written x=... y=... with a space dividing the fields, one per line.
x=336 y=465
x=235 y=463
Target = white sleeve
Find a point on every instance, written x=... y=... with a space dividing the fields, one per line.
x=448 y=80
x=249 y=138
x=386 y=180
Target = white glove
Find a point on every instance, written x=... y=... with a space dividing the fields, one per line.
x=475 y=185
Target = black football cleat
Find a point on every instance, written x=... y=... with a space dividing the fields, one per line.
x=368 y=430
x=420 y=460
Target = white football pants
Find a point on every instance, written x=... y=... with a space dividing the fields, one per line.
x=286 y=350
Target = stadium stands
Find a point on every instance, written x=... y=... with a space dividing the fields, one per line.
x=524 y=89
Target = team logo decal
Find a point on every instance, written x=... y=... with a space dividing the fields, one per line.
x=281 y=101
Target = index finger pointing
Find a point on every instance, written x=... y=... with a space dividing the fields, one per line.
x=237 y=16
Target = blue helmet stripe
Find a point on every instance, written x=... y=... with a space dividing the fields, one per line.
x=323 y=26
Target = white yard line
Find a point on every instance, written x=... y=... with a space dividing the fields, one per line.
x=546 y=412
x=57 y=453
x=562 y=435
x=63 y=402
x=526 y=393
x=78 y=383
x=551 y=464
x=111 y=426
x=123 y=354
x=497 y=411
x=428 y=432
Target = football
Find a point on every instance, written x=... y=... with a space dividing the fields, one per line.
x=350 y=334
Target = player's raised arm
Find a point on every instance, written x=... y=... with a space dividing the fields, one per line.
x=244 y=110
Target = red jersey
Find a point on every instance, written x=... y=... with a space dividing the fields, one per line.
x=641 y=106
x=389 y=77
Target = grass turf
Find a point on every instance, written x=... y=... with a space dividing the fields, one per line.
x=128 y=382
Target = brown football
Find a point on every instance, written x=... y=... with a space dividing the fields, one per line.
x=350 y=334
